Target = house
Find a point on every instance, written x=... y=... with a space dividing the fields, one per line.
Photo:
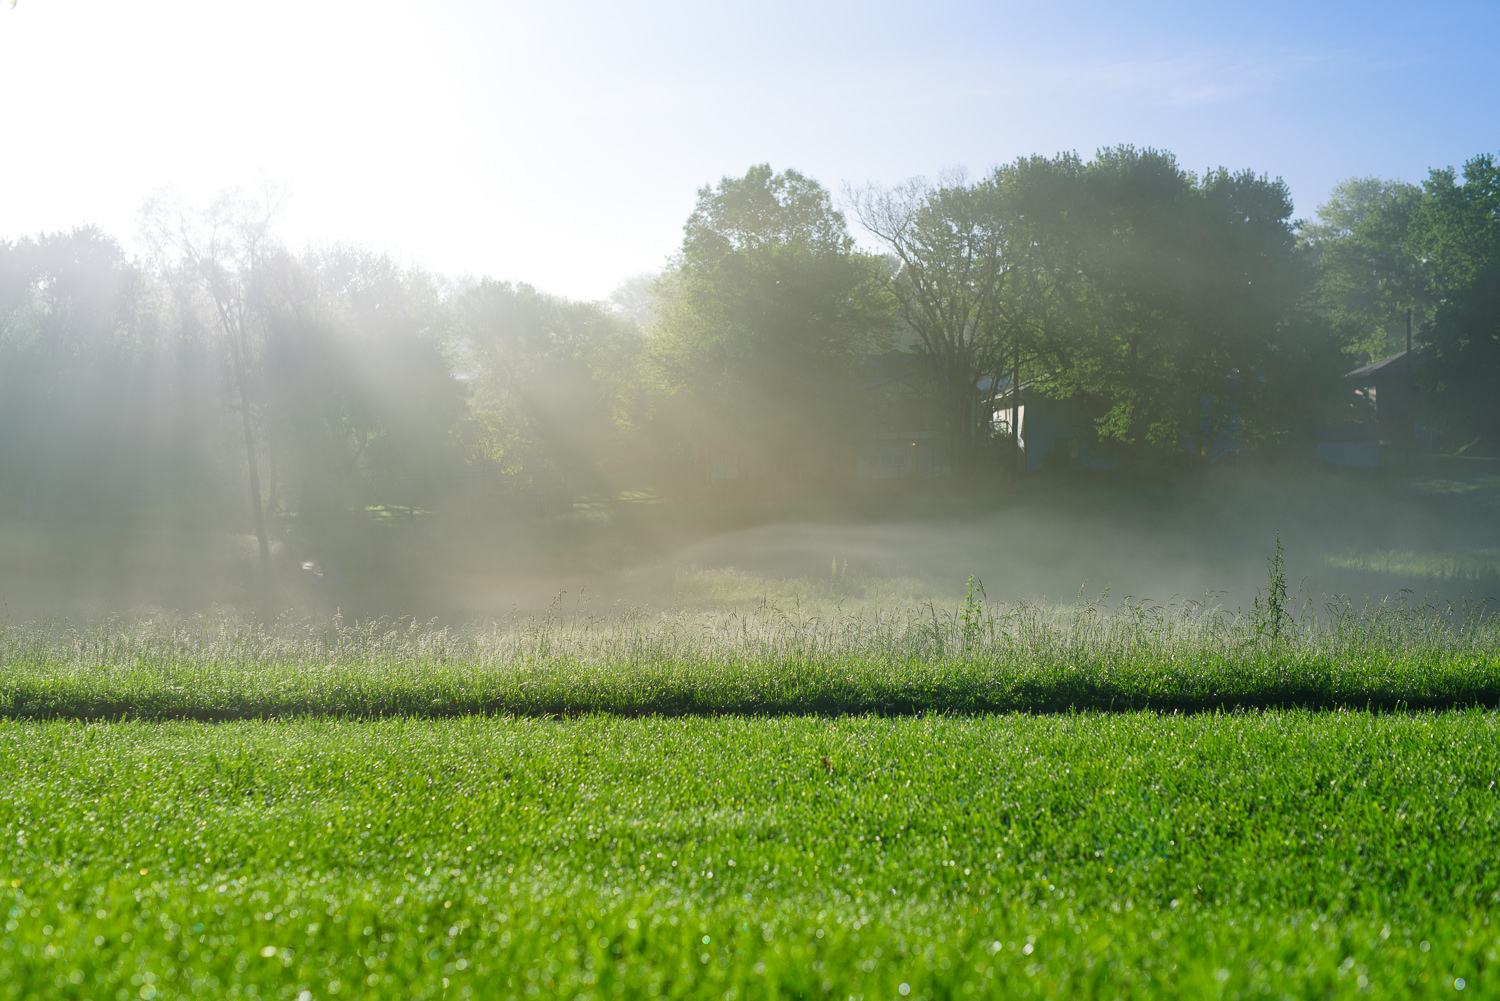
x=1382 y=415
x=1055 y=434
x=1386 y=390
x=904 y=437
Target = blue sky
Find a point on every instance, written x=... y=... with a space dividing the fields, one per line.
x=563 y=143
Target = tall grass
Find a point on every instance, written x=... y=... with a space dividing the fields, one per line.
x=972 y=656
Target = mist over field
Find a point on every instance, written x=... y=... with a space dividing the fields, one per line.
x=1362 y=536
x=1109 y=380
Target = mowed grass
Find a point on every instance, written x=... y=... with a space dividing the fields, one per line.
x=1278 y=853
x=969 y=657
x=795 y=801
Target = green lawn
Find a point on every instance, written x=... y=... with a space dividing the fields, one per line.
x=810 y=799
x=1284 y=854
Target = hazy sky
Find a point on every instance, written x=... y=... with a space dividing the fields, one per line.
x=562 y=143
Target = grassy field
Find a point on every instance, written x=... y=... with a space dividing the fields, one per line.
x=823 y=657
x=830 y=784
x=1285 y=854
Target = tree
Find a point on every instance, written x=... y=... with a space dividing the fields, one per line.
x=96 y=404
x=1461 y=369
x=1403 y=264
x=1247 y=288
x=1458 y=232
x=1458 y=225
x=949 y=245
x=1163 y=304
x=1124 y=360
x=220 y=253
x=761 y=314
x=1190 y=321
x=1372 y=275
x=636 y=300
x=359 y=399
x=553 y=384
x=987 y=277
x=1044 y=299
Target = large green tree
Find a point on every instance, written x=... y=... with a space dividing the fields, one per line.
x=1372 y=275
x=1189 y=319
x=1461 y=367
x=1457 y=228
x=1167 y=305
x=1457 y=225
x=1398 y=262
x=555 y=385
x=950 y=248
x=761 y=314
x=361 y=405
x=990 y=282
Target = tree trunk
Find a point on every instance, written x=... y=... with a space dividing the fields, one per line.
x=252 y=464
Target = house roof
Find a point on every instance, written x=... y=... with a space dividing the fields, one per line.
x=1378 y=368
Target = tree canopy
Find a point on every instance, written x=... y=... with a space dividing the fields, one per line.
x=761 y=312
x=554 y=396
x=293 y=393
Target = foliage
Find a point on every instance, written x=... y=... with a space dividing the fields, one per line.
x=1180 y=313
x=761 y=315
x=972 y=614
x=950 y=246
x=556 y=391
x=215 y=259
x=102 y=404
x=1393 y=254
x=1460 y=233
x=1370 y=264
x=1458 y=224
x=360 y=402
x=1170 y=307
x=635 y=299
x=1270 y=613
x=1194 y=327
x=1461 y=362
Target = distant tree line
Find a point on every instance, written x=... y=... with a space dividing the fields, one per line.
x=226 y=380
x=1399 y=263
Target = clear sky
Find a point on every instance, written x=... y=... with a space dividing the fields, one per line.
x=563 y=143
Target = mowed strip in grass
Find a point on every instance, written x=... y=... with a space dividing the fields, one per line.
x=970 y=658
x=1288 y=854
